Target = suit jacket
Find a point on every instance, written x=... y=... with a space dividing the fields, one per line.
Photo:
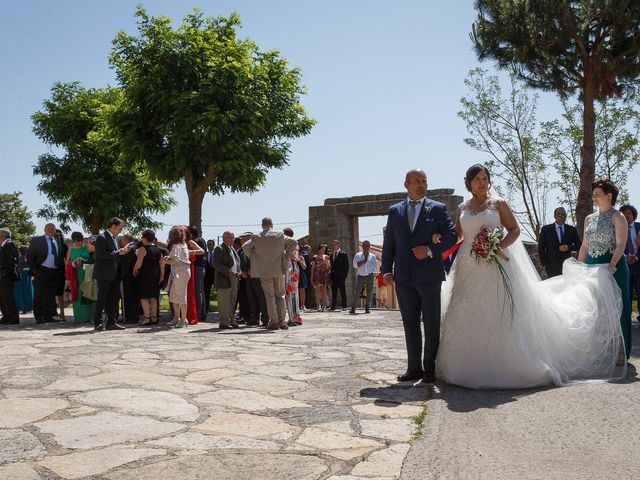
x=265 y=251
x=106 y=258
x=222 y=262
x=8 y=260
x=339 y=266
x=208 y=269
x=38 y=251
x=397 y=254
x=548 y=245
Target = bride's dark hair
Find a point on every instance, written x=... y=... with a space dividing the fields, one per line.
x=473 y=171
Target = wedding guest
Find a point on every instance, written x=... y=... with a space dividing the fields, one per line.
x=242 y=299
x=46 y=264
x=291 y=278
x=338 y=273
x=128 y=289
x=23 y=288
x=60 y=288
x=199 y=270
x=557 y=241
x=320 y=276
x=148 y=271
x=77 y=256
x=178 y=283
x=9 y=271
x=209 y=273
x=631 y=250
x=382 y=290
x=257 y=301
x=106 y=260
x=266 y=251
x=227 y=265
x=365 y=263
x=304 y=281
x=195 y=251
x=605 y=237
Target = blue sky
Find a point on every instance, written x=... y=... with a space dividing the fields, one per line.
x=384 y=81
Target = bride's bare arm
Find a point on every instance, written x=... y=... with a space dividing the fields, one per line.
x=582 y=254
x=509 y=222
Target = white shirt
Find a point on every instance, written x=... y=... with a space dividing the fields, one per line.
x=366 y=269
x=416 y=210
x=236 y=260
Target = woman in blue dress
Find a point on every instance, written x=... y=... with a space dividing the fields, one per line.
x=605 y=237
x=23 y=289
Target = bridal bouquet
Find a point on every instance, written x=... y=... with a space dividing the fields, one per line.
x=485 y=247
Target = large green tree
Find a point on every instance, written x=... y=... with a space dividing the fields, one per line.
x=205 y=106
x=90 y=179
x=588 y=47
x=16 y=217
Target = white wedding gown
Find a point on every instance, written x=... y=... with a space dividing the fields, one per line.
x=559 y=331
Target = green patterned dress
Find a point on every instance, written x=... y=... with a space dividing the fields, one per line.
x=601 y=236
x=83 y=308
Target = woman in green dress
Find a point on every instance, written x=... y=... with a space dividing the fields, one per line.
x=605 y=237
x=78 y=255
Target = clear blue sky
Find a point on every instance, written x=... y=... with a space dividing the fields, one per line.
x=384 y=80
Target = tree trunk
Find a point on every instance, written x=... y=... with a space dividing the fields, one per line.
x=584 y=205
x=96 y=224
x=197 y=187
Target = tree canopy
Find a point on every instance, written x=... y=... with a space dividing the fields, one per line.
x=91 y=179
x=202 y=105
x=16 y=217
x=589 y=47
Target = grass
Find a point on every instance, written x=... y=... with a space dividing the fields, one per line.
x=418 y=421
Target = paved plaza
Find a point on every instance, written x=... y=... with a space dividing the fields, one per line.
x=319 y=401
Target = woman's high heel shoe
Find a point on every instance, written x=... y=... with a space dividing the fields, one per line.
x=173 y=322
x=182 y=323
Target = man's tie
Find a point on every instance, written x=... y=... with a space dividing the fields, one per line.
x=54 y=251
x=411 y=213
x=210 y=259
x=631 y=249
x=561 y=229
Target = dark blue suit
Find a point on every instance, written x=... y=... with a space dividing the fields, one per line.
x=418 y=282
x=634 y=270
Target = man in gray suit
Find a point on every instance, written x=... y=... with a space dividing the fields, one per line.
x=266 y=251
x=227 y=270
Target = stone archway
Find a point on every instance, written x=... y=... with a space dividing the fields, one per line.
x=338 y=219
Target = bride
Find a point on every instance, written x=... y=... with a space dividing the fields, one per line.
x=504 y=328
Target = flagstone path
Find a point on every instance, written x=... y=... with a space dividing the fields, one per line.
x=319 y=401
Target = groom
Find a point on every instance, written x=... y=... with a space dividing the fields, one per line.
x=415 y=263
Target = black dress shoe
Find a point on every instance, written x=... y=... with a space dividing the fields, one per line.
x=225 y=327
x=98 y=328
x=367 y=311
x=39 y=321
x=116 y=326
x=51 y=320
x=409 y=376
x=352 y=311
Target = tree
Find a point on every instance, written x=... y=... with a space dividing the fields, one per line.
x=203 y=106
x=505 y=129
x=616 y=140
x=589 y=47
x=16 y=217
x=92 y=179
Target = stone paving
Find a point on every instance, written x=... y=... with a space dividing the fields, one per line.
x=318 y=401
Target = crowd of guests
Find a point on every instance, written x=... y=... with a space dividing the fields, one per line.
x=112 y=279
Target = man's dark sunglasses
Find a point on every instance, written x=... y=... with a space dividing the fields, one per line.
x=561 y=214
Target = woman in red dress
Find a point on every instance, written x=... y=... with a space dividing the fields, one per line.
x=194 y=249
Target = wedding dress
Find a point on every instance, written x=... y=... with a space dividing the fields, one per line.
x=558 y=331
